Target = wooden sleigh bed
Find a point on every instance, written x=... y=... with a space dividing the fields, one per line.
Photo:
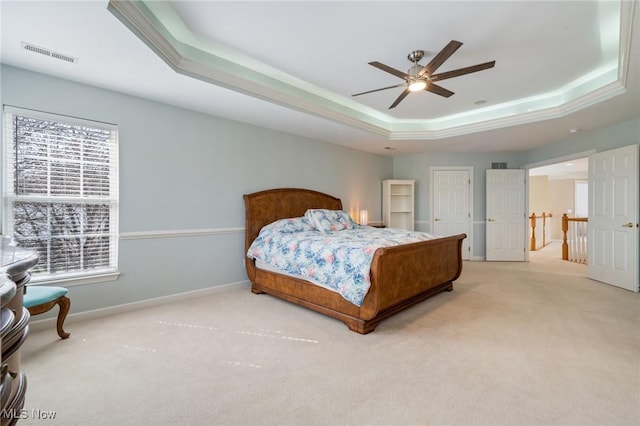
x=401 y=276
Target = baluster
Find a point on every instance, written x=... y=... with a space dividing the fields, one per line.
x=565 y=228
x=583 y=233
x=533 y=232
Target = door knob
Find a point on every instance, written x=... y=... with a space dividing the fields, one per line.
x=628 y=225
x=490 y=220
x=436 y=219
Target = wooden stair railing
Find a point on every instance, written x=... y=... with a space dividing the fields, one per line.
x=574 y=245
x=534 y=224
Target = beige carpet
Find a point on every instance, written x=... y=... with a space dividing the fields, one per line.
x=514 y=344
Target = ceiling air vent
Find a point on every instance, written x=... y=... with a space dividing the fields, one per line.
x=44 y=51
x=498 y=165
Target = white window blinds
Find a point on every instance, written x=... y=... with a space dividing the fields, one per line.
x=60 y=193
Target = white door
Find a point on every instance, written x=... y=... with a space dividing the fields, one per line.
x=505 y=233
x=451 y=205
x=613 y=217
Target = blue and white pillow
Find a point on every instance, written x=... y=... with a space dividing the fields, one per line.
x=289 y=225
x=330 y=220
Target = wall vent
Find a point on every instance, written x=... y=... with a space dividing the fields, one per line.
x=498 y=165
x=47 y=52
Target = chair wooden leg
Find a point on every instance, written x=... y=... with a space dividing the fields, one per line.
x=64 y=303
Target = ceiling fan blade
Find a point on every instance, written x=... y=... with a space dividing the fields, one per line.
x=377 y=90
x=400 y=98
x=439 y=59
x=388 y=69
x=438 y=90
x=462 y=71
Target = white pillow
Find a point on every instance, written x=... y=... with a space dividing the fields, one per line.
x=289 y=225
x=330 y=220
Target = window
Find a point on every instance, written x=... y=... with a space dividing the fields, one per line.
x=582 y=198
x=60 y=193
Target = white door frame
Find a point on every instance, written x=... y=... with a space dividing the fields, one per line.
x=431 y=192
x=556 y=160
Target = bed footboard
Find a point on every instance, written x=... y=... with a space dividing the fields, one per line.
x=404 y=275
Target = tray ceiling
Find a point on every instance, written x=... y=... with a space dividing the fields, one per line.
x=293 y=66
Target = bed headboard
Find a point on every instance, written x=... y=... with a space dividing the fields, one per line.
x=264 y=207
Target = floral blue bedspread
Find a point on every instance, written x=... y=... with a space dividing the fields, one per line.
x=338 y=260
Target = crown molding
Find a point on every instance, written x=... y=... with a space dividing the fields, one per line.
x=157 y=25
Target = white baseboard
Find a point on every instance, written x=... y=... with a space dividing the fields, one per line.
x=47 y=323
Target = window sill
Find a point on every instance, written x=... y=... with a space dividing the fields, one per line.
x=75 y=281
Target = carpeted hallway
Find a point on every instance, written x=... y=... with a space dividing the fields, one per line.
x=532 y=343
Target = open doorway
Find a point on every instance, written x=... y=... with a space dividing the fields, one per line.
x=554 y=190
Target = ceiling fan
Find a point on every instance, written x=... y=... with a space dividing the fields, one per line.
x=422 y=78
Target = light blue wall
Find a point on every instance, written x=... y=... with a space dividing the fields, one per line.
x=616 y=136
x=417 y=167
x=184 y=171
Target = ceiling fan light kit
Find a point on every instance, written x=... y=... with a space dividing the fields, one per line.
x=417 y=85
x=419 y=78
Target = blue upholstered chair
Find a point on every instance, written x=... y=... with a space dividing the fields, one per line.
x=39 y=299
